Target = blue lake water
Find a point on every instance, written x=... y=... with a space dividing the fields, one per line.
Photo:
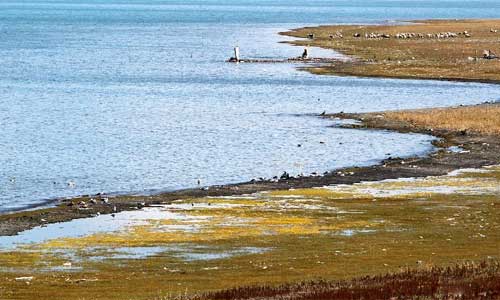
x=134 y=96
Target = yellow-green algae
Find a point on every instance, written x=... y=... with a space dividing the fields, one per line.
x=332 y=232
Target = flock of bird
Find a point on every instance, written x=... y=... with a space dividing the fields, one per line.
x=404 y=35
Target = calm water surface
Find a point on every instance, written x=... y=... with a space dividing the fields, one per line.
x=122 y=96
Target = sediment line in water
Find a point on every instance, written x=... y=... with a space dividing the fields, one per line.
x=478 y=150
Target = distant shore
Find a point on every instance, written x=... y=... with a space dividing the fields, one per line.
x=371 y=61
x=452 y=50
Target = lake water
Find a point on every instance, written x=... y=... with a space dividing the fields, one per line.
x=134 y=96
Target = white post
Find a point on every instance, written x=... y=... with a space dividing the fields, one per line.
x=237 y=53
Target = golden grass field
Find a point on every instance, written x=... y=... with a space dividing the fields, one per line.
x=484 y=119
x=429 y=58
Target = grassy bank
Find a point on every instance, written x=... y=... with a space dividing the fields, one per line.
x=483 y=119
x=272 y=238
x=417 y=55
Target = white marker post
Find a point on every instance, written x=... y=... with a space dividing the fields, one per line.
x=237 y=53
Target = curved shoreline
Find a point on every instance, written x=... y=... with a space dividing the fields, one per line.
x=441 y=162
x=444 y=50
x=48 y=203
x=435 y=163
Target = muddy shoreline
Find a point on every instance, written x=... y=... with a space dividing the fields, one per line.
x=478 y=150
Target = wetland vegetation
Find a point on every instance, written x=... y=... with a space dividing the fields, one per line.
x=271 y=238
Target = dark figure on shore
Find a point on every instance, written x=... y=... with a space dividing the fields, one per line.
x=305 y=54
x=285 y=175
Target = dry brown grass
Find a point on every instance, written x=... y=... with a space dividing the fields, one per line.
x=429 y=58
x=464 y=281
x=481 y=119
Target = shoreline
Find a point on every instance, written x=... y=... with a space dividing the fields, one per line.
x=402 y=77
x=423 y=225
x=439 y=162
x=444 y=50
x=54 y=202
